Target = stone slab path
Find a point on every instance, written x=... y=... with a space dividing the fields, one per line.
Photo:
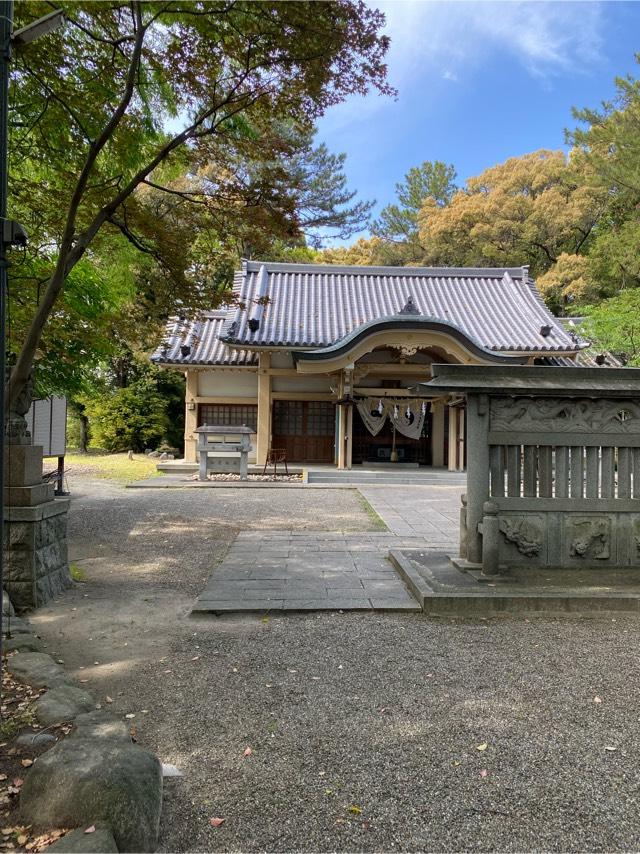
x=305 y=571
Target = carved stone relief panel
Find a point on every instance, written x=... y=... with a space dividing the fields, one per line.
x=589 y=539
x=564 y=415
x=523 y=539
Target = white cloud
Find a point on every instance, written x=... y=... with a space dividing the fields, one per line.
x=446 y=41
x=545 y=37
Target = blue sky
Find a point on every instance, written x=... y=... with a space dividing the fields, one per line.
x=480 y=82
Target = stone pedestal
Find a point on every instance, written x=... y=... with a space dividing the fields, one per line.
x=35 y=531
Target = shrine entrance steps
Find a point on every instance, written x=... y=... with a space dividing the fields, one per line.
x=390 y=474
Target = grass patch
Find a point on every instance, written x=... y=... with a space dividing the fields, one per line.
x=116 y=467
x=77 y=573
x=375 y=518
x=20 y=720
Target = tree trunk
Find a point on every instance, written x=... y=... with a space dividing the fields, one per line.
x=84 y=433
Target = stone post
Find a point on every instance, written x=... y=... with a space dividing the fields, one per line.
x=463 y=527
x=35 y=530
x=477 y=471
x=490 y=539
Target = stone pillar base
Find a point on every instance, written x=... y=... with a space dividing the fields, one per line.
x=35 y=553
x=36 y=566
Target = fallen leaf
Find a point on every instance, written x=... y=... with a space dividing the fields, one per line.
x=3 y=776
x=195 y=658
x=22 y=839
x=455 y=763
x=108 y=699
x=597 y=699
x=482 y=746
x=17 y=781
x=610 y=748
x=129 y=716
x=91 y=829
x=356 y=810
x=247 y=751
x=216 y=822
x=84 y=680
x=484 y=773
x=26 y=763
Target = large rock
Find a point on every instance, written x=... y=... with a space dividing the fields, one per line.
x=22 y=642
x=101 y=841
x=37 y=669
x=63 y=703
x=14 y=625
x=101 y=725
x=81 y=781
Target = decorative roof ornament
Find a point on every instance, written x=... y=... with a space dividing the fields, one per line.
x=410 y=307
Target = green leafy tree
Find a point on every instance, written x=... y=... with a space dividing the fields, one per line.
x=398 y=226
x=96 y=100
x=131 y=418
x=608 y=153
x=614 y=325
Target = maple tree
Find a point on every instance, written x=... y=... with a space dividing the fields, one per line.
x=129 y=97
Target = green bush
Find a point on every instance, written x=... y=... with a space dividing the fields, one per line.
x=132 y=418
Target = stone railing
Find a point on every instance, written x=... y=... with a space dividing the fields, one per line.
x=553 y=475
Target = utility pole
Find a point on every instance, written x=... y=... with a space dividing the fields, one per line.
x=6 y=31
x=11 y=232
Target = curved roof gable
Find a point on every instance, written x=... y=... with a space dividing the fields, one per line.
x=310 y=306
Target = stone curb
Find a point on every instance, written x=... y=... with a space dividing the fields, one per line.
x=95 y=776
x=482 y=601
x=411 y=577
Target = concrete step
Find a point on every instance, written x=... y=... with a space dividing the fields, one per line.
x=404 y=477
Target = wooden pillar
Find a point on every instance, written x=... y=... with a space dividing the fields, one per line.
x=349 y=442
x=190 y=417
x=264 y=409
x=452 y=462
x=461 y=449
x=437 y=433
x=342 y=425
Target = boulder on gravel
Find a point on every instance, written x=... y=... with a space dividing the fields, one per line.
x=63 y=703
x=22 y=642
x=37 y=669
x=81 y=781
x=13 y=625
x=35 y=739
x=102 y=725
x=101 y=841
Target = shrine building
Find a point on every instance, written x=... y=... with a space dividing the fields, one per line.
x=324 y=361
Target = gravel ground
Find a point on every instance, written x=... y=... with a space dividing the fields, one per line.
x=364 y=728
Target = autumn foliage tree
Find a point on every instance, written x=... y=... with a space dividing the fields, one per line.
x=527 y=210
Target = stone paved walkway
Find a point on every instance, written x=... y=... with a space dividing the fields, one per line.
x=304 y=571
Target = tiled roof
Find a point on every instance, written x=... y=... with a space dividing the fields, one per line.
x=298 y=306
x=201 y=336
